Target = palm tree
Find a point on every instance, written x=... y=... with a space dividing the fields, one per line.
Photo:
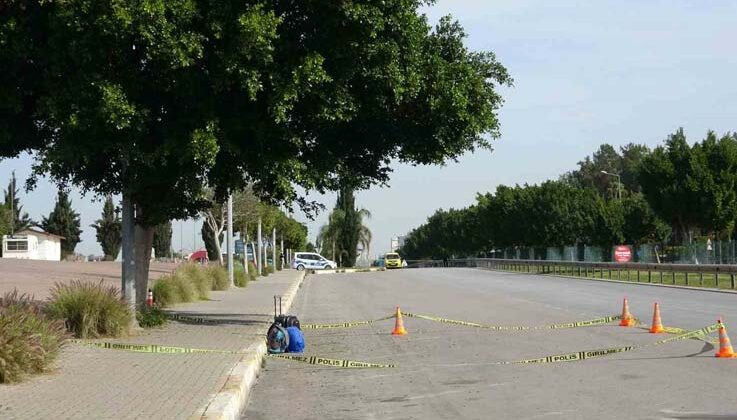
x=345 y=231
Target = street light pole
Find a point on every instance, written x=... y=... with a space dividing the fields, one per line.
x=619 y=183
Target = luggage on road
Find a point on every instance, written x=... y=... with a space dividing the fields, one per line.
x=296 y=340
x=280 y=333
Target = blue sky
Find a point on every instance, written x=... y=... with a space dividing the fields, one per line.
x=585 y=73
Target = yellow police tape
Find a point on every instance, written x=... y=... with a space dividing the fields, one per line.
x=324 y=361
x=349 y=324
x=591 y=322
x=153 y=348
x=590 y=354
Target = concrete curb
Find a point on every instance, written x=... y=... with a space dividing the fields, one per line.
x=232 y=398
x=672 y=286
x=347 y=270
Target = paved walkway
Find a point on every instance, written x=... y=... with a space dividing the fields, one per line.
x=106 y=384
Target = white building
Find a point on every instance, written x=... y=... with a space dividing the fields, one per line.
x=32 y=244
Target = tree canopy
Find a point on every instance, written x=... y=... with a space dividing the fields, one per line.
x=107 y=229
x=64 y=221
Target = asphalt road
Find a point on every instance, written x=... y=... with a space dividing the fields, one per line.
x=447 y=371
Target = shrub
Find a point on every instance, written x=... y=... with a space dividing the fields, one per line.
x=89 y=309
x=29 y=341
x=200 y=279
x=240 y=278
x=151 y=317
x=184 y=286
x=166 y=292
x=218 y=277
x=252 y=271
x=269 y=269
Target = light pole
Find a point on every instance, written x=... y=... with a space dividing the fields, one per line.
x=619 y=183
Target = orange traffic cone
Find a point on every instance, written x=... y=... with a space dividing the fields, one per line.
x=725 y=346
x=399 y=324
x=627 y=319
x=657 y=325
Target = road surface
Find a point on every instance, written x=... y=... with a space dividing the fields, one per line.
x=446 y=371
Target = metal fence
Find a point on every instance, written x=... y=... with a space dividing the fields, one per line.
x=718 y=275
x=716 y=252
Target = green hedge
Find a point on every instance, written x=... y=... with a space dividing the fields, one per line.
x=29 y=339
x=89 y=309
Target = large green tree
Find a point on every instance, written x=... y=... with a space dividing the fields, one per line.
x=156 y=100
x=162 y=240
x=11 y=201
x=107 y=229
x=64 y=221
x=693 y=187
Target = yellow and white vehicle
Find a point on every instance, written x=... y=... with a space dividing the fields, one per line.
x=392 y=260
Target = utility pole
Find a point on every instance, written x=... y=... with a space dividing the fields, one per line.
x=245 y=252
x=282 y=254
x=273 y=247
x=230 y=240
x=259 y=264
x=12 y=206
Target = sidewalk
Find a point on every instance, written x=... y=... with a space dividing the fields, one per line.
x=105 y=384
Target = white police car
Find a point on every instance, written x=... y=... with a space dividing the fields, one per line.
x=312 y=261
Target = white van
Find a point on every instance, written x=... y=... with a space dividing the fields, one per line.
x=312 y=261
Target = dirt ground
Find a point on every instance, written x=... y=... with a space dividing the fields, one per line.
x=37 y=277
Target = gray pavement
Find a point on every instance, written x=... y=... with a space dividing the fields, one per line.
x=91 y=383
x=447 y=371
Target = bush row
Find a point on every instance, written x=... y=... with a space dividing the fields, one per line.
x=188 y=283
x=29 y=338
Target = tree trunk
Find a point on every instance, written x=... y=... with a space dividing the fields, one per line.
x=128 y=275
x=144 y=240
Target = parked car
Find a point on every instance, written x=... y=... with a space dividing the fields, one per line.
x=392 y=260
x=312 y=261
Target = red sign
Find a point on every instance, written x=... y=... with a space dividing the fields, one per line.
x=622 y=253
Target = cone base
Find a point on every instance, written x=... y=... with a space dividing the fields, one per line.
x=628 y=322
x=399 y=332
x=726 y=355
x=657 y=330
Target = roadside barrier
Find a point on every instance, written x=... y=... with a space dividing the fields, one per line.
x=154 y=348
x=577 y=324
x=627 y=320
x=336 y=363
x=657 y=324
x=590 y=354
x=349 y=324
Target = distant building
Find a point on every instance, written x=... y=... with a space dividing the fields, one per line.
x=397 y=242
x=32 y=244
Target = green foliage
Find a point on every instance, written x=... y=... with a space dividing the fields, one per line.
x=188 y=283
x=162 y=240
x=89 y=309
x=218 y=277
x=166 y=292
x=240 y=277
x=29 y=341
x=693 y=187
x=252 y=271
x=151 y=317
x=108 y=230
x=63 y=221
x=17 y=218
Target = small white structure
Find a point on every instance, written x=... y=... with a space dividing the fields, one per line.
x=32 y=244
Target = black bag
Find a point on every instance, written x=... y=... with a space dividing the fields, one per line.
x=284 y=320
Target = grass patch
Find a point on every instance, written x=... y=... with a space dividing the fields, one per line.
x=188 y=283
x=240 y=278
x=29 y=340
x=89 y=309
x=151 y=317
x=218 y=277
x=252 y=271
